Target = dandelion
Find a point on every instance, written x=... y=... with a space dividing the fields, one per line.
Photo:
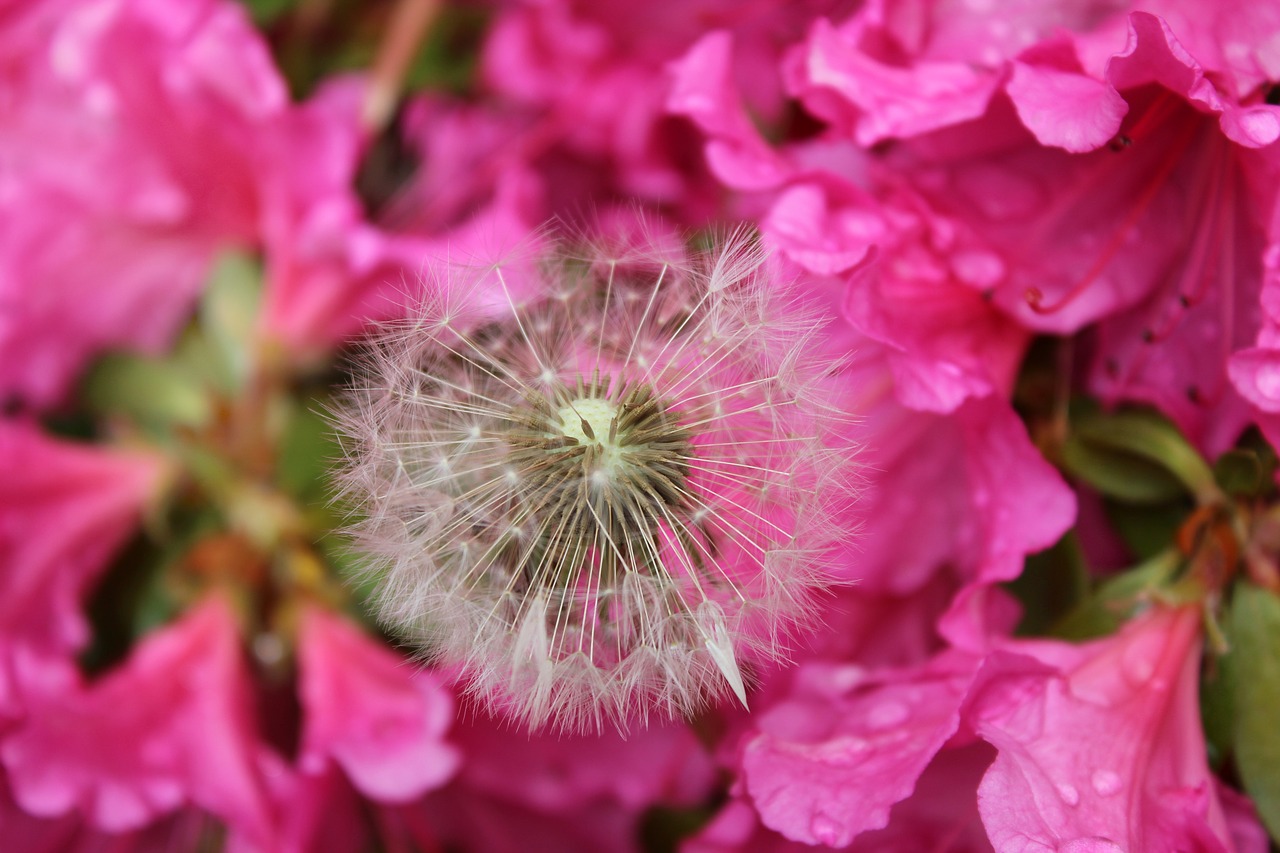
x=600 y=483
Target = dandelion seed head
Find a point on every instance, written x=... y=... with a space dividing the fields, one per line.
x=602 y=485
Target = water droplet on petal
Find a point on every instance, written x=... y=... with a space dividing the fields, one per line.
x=1267 y=380
x=1107 y=782
x=1069 y=794
x=887 y=714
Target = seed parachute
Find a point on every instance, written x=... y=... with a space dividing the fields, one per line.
x=604 y=482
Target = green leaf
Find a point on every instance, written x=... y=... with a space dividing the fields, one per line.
x=1239 y=472
x=1137 y=456
x=229 y=317
x=308 y=450
x=1052 y=582
x=1120 y=475
x=148 y=391
x=1254 y=663
x=1103 y=612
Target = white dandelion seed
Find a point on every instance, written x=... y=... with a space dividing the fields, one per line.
x=601 y=484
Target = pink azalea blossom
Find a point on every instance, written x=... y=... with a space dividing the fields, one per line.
x=63 y=510
x=940 y=814
x=594 y=72
x=973 y=480
x=830 y=762
x=516 y=792
x=127 y=154
x=171 y=727
x=370 y=712
x=900 y=71
x=1103 y=750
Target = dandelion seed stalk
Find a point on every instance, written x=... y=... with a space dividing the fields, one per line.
x=603 y=483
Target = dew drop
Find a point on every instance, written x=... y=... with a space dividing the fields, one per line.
x=1069 y=794
x=1107 y=782
x=1267 y=380
x=887 y=714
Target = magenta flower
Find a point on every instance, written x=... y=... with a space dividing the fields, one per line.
x=518 y=792
x=1104 y=748
x=171 y=727
x=128 y=157
x=846 y=745
x=65 y=508
x=377 y=718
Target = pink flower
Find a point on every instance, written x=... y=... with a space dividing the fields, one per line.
x=516 y=792
x=972 y=480
x=1105 y=748
x=594 y=74
x=831 y=760
x=171 y=727
x=334 y=267
x=940 y=814
x=369 y=711
x=63 y=510
x=127 y=155
x=890 y=71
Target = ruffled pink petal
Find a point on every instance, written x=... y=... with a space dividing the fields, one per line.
x=1107 y=755
x=887 y=101
x=1065 y=109
x=373 y=713
x=63 y=510
x=172 y=726
x=830 y=762
x=704 y=92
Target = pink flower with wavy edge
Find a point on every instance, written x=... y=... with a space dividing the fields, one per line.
x=594 y=72
x=370 y=712
x=973 y=479
x=1068 y=240
x=518 y=792
x=171 y=726
x=940 y=814
x=129 y=152
x=1104 y=748
x=919 y=277
x=831 y=760
x=892 y=72
x=64 y=509
x=333 y=267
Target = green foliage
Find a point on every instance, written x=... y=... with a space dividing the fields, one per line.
x=1253 y=668
x=1137 y=457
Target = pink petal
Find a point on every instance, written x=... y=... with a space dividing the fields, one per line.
x=830 y=763
x=704 y=92
x=170 y=727
x=64 y=509
x=1065 y=109
x=1110 y=753
x=370 y=711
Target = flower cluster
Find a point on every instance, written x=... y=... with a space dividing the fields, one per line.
x=935 y=507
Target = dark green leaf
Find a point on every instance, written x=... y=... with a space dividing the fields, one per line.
x=1254 y=662
x=1239 y=472
x=1103 y=612
x=1120 y=475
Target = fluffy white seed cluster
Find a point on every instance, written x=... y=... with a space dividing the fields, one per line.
x=601 y=483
